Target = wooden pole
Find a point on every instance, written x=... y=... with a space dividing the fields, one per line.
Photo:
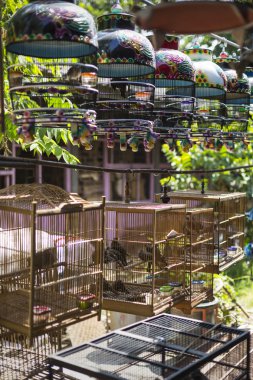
x=32 y=269
x=1 y=77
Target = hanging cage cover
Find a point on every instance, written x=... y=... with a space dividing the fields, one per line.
x=52 y=29
x=210 y=79
x=196 y=16
x=173 y=65
x=122 y=51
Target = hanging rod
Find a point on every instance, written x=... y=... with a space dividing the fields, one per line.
x=14 y=161
x=225 y=40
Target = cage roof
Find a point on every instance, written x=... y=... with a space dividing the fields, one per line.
x=47 y=197
x=208 y=195
x=164 y=346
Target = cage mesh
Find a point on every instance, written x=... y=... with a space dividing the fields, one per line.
x=162 y=347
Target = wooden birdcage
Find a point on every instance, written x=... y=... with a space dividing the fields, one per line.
x=229 y=221
x=23 y=359
x=199 y=232
x=50 y=262
x=144 y=257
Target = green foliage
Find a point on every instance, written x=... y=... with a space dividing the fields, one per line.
x=207 y=159
x=229 y=313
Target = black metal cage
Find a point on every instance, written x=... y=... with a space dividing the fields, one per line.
x=162 y=347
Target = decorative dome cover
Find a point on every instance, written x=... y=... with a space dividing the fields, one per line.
x=224 y=57
x=116 y=21
x=210 y=79
x=235 y=85
x=197 y=53
x=170 y=41
x=172 y=65
x=210 y=75
x=51 y=29
x=123 y=52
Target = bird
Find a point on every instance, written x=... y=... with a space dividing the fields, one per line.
x=119 y=286
x=119 y=86
x=44 y=259
x=73 y=74
x=114 y=255
x=147 y=256
x=107 y=287
x=118 y=247
x=172 y=234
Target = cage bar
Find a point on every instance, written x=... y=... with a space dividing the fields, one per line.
x=144 y=257
x=50 y=264
x=54 y=93
x=199 y=232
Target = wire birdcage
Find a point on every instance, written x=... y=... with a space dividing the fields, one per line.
x=144 y=257
x=229 y=221
x=62 y=32
x=56 y=94
x=174 y=81
x=50 y=265
x=162 y=347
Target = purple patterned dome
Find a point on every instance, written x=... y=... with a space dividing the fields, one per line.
x=122 y=51
x=52 y=29
x=173 y=65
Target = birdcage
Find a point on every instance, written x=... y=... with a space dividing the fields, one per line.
x=199 y=232
x=174 y=81
x=50 y=263
x=229 y=220
x=48 y=94
x=162 y=347
x=57 y=93
x=144 y=257
x=22 y=358
x=126 y=66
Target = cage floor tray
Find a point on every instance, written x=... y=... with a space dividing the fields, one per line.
x=15 y=306
x=136 y=299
